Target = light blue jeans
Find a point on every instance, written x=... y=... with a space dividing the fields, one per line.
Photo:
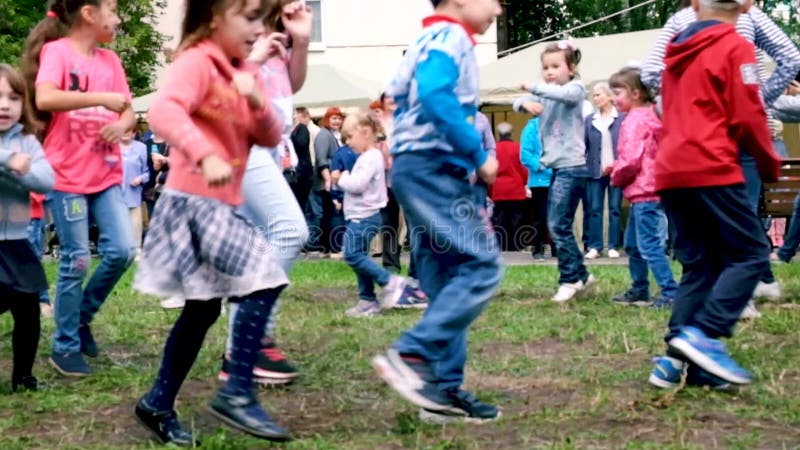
x=75 y=304
x=270 y=203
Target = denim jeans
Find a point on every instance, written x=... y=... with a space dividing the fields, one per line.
x=77 y=304
x=752 y=181
x=723 y=251
x=320 y=213
x=792 y=239
x=596 y=194
x=357 y=239
x=457 y=259
x=566 y=191
x=36 y=238
x=645 y=237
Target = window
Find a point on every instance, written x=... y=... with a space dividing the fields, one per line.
x=316 y=29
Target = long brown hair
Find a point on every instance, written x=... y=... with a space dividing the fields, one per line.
x=630 y=78
x=61 y=16
x=200 y=13
x=29 y=123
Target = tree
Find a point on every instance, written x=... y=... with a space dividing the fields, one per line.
x=138 y=43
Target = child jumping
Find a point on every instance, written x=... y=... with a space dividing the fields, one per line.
x=436 y=149
x=364 y=196
x=634 y=171
x=559 y=104
x=211 y=109
x=82 y=93
x=23 y=168
x=711 y=106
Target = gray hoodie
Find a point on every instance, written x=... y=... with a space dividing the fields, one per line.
x=561 y=123
x=365 y=187
x=15 y=189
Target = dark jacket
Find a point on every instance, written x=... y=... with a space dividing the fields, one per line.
x=594 y=142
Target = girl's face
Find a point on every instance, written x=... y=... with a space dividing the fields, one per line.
x=238 y=28
x=624 y=99
x=335 y=122
x=105 y=21
x=555 y=68
x=389 y=105
x=10 y=106
x=359 y=137
x=601 y=98
x=479 y=15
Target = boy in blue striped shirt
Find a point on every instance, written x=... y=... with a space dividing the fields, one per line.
x=436 y=149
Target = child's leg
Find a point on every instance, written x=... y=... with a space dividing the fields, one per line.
x=539 y=196
x=358 y=237
x=180 y=352
x=116 y=245
x=792 y=239
x=614 y=217
x=565 y=193
x=25 y=338
x=651 y=233
x=637 y=266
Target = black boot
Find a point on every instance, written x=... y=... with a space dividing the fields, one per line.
x=28 y=383
x=165 y=425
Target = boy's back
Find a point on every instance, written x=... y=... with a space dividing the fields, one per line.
x=712 y=107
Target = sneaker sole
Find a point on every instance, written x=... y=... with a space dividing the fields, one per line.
x=261 y=381
x=411 y=306
x=661 y=384
x=640 y=303
x=261 y=373
x=234 y=424
x=394 y=379
x=442 y=419
x=705 y=362
x=66 y=373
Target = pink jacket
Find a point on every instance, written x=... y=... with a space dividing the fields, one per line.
x=634 y=169
x=199 y=113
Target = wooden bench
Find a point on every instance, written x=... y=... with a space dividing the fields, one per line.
x=777 y=199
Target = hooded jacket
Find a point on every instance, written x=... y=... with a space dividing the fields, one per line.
x=634 y=169
x=712 y=106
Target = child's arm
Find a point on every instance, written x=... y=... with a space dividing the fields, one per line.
x=358 y=181
x=770 y=38
x=267 y=127
x=528 y=104
x=630 y=150
x=746 y=114
x=654 y=64
x=531 y=147
x=437 y=77
x=39 y=176
x=570 y=93
x=787 y=108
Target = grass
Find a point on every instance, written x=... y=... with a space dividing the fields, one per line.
x=566 y=376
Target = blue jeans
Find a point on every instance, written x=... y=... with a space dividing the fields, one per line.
x=780 y=148
x=36 y=238
x=77 y=304
x=566 y=191
x=357 y=239
x=645 y=237
x=752 y=181
x=792 y=239
x=596 y=194
x=457 y=259
x=320 y=213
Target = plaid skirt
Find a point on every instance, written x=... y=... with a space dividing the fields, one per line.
x=201 y=248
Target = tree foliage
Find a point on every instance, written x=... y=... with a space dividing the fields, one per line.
x=138 y=42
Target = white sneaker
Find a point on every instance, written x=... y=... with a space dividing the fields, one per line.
x=174 y=302
x=770 y=291
x=750 y=312
x=567 y=292
x=364 y=308
x=392 y=292
x=337 y=256
x=592 y=254
x=613 y=253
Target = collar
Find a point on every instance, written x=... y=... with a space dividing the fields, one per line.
x=436 y=18
x=614 y=114
x=14 y=130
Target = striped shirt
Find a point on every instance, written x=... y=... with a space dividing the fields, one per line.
x=756 y=27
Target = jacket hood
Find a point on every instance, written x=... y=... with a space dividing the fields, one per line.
x=696 y=38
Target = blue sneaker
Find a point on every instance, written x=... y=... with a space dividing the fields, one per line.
x=413 y=379
x=70 y=364
x=412 y=298
x=662 y=302
x=667 y=372
x=710 y=355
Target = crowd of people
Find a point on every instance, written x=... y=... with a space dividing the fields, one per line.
x=235 y=182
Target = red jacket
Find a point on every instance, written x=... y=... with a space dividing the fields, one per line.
x=712 y=107
x=511 y=175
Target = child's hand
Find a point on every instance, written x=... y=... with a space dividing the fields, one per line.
x=526 y=86
x=535 y=108
x=298 y=20
x=794 y=88
x=20 y=163
x=245 y=85
x=115 y=102
x=337 y=205
x=327 y=185
x=136 y=181
x=158 y=160
x=217 y=171
x=528 y=193
x=488 y=171
x=335 y=175
x=607 y=171
x=113 y=132
x=268 y=46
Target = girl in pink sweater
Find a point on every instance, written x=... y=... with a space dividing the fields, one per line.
x=211 y=110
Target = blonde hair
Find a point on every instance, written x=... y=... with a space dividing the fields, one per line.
x=363 y=118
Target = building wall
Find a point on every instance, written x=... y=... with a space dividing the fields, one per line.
x=366 y=37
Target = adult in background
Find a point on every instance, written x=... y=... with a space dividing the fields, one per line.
x=302 y=141
x=135 y=174
x=508 y=193
x=602 y=135
x=326 y=143
x=390 y=214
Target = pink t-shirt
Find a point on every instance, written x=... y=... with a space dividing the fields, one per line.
x=83 y=162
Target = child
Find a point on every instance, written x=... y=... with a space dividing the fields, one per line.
x=211 y=109
x=81 y=89
x=23 y=168
x=559 y=104
x=365 y=195
x=436 y=149
x=36 y=236
x=711 y=104
x=343 y=160
x=538 y=185
x=135 y=175
x=646 y=233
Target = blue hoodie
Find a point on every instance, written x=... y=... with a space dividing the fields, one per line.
x=15 y=189
x=531 y=154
